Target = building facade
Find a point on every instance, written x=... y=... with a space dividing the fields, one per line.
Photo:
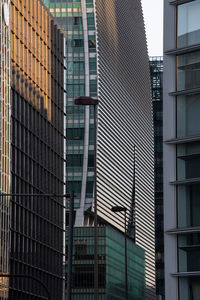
x=101 y=61
x=182 y=149
x=5 y=145
x=37 y=92
x=111 y=265
x=156 y=70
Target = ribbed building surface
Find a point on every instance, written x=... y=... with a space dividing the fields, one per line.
x=109 y=36
x=5 y=145
x=125 y=134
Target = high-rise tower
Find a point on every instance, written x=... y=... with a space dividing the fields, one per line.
x=5 y=145
x=182 y=149
x=37 y=123
x=106 y=56
x=156 y=70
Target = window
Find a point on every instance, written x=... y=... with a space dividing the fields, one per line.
x=188 y=161
x=188 y=71
x=188 y=28
x=188 y=205
x=188 y=108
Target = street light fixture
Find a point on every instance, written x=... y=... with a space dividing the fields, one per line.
x=117 y=209
x=85 y=100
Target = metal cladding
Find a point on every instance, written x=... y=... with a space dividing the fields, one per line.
x=125 y=133
x=112 y=34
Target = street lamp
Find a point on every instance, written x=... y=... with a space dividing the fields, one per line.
x=116 y=209
x=84 y=100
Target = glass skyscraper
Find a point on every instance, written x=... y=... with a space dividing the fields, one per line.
x=5 y=145
x=156 y=70
x=37 y=152
x=182 y=149
x=106 y=57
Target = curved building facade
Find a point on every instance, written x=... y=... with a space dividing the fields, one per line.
x=106 y=57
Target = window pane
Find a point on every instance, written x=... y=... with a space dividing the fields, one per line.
x=189 y=252
x=188 y=161
x=189 y=288
x=188 y=108
x=188 y=71
x=188 y=24
x=188 y=206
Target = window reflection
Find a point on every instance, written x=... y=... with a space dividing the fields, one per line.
x=188 y=24
x=188 y=71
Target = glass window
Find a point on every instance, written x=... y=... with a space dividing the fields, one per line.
x=189 y=252
x=188 y=205
x=188 y=24
x=188 y=109
x=188 y=161
x=189 y=288
x=188 y=71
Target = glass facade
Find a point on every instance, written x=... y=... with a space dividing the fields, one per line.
x=188 y=32
x=156 y=71
x=182 y=150
x=111 y=258
x=77 y=19
x=37 y=126
x=188 y=154
x=5 y=146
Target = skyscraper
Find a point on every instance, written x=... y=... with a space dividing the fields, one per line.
x=156 y=70
x=36 y=246
x=109 y=37
x=5 y=144
x=182 y=149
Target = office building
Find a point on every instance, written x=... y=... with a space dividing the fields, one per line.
x=111 y=265
x=108 y=38
x=37 y=122
x=156 y=70
x=5 y=145
x=182 y=149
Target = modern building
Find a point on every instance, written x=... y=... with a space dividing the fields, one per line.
x=156 y=70
x=5 y=145
x=111 y=265
x=182 y=149
x=106 y=57
x=37 y=137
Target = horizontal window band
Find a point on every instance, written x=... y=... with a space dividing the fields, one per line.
x=186 y=274
x=185 y=92
x=186 y=181
x=184 y=230
x=177 y=2
x=183 y=140
x=184 y=50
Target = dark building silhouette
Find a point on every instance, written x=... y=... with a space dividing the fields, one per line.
x=156 y=70
x=37 y=151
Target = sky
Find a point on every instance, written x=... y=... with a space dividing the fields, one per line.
x=153 y=16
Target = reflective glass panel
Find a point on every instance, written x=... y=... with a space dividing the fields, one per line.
x=188 y=205
x=188 y=161
x=189 y=252
x=188 y=24
x=188 y=110
x=188 y=71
